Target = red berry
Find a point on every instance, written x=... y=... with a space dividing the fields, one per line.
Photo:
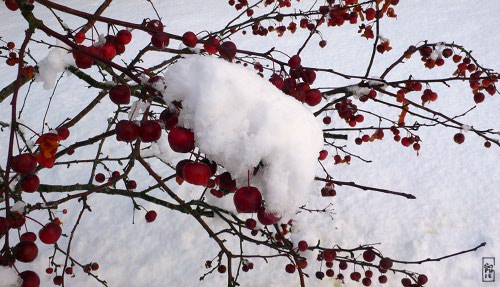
x=459 y=138
x=382 y=279
x=227 y=50
x=11 y=5
x=385 y=263
x=58 y=280
x=294 y=62
x=160 y=40
x=250 y=223
x=290 y=268
x=406 y=282
x=99 y=177
x=150 y=216
x=28 y=236
x=322 y=43
x=226 y=182
x=422 y=279
x=131 y=184
x=197 y=173
x=303 y=245
x=79 y=37
x=210 y=45
x=30 y=279
x=320 y=275
x=487 y=144
x=221 y=269
x=247 y=199
x=126 y=131
x=478 y=98
x=124 y=36
x=447 y=52
x=25 y=251
x=366 y=281
x=343 y=265
x=267 y=218
x=63 y=132
x=169 y=118
x=50 y=233
x=23 y=163
x=120 y=94
x=154 y=26
x=181 y=140
x=189 y=39
x=150 y=131
x=355 y=276
x=16 y=219
x=29 y=182
x=108 y=51
x=327 y=120
x=323 y=154
x=369 y=255
x=329 y=255
x=94 y=266
x=313 y=97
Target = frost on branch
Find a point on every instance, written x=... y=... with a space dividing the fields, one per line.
x=240 y=120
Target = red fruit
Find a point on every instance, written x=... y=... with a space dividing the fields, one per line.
x=422 y=279
x=100 y=177
x=11 y=5
x=343 y=265
x=131 y=184
x=221 y=269
x=181 y=140
x=323 y=154
x=382 y=279
x=247 y=199
x=179 y=168
x=83 y=61
x=169 y=118
x=50 y=233
x=210 y=45
x=277 y=81
x=308 y=76
x=290 y=268
x=226 y=182
x=120 y=94
x=4 y=226
x=294 y=62
x=369 y=255
x=30 y=279
x=94 y=266
x=25 y=251
x=150 y=131
x=119 y=47
x=150 y=216
x=79 y=37
x=16 y=219
x=478 y=98
x=124 y=37
x=330 y=273
x=355 y=276
x=68 y=270
x=406 y=282
x=267 y=218
x=49 y=270
x=227 y=50
x=154 y=26
x=217 y=193
x=58 y=280
x=459 y=138
x=250 y=223
x=303 y=245
x=160 y=40
x=63 y=132
x=108 y=51
x=29 y=182
x=329 y=255
x=447 y=52
x=313 y=97
x=366 y=281
x=368 y=273
x=370 y=14
x=197 y=173
x=23 y=163
x=28 y=236
x=322 y=43
x=189 y=39
x=126 y=131
x=385 y=263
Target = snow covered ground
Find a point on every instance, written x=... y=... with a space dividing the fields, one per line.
x=456 y=185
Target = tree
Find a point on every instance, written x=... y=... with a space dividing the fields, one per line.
x=204 y=117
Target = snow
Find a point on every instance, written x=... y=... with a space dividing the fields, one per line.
x=55 y=63
x=240 y=120
x=9 y=278
x=456 y=185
